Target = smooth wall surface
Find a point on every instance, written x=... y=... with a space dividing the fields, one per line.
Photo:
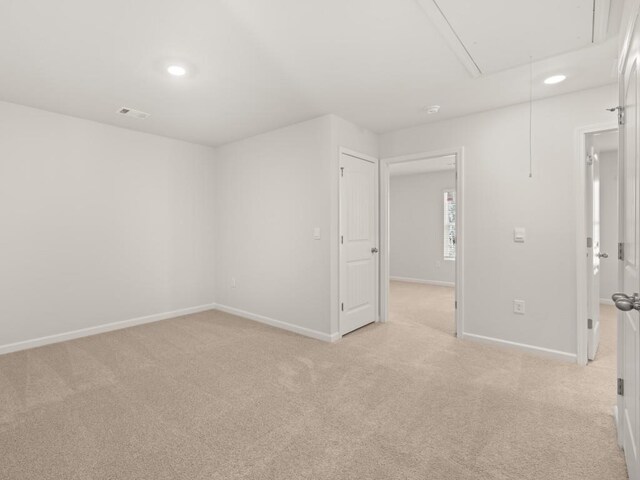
x=99 y=224
x=499 y=195
x=272 y=191
x=102 y=224
x=416 y=233
x=609 y=224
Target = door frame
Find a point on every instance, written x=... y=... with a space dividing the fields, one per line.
x=368 y=158
x=582 y=330
x=385 y=164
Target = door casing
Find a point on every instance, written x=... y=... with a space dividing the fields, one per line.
x=385 y=164
x=582 y=330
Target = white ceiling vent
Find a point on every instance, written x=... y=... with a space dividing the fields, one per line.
x=130 y=112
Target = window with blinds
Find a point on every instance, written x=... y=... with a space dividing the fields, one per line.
x=449 y=224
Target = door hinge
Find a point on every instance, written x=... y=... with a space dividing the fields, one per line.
x=341 y=239
x=621 y=387
x=456 y=304
x=342 y=171
x=342 y=307
x=589 y=242
x=620 y=113
x=590 y=323
x=621 y=251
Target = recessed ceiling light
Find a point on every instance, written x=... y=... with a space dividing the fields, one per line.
x=176 y=70
x=555 y=79
x=432 y=109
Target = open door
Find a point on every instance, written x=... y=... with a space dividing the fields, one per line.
x=358 y=241
x=593 y=250
x=628 y=302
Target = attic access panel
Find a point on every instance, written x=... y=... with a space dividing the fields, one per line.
x=501 y=34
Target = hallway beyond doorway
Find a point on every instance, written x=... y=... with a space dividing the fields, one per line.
x=428 y=305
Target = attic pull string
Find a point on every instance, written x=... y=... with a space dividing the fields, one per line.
x=530 y=117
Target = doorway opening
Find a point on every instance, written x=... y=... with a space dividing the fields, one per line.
x=421 y=240
x=599 y=263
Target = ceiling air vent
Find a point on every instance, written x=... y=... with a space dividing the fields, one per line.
x=130 y=112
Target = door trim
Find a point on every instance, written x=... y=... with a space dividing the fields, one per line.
x=582 y=331
x=367 y=158
x=385 y=163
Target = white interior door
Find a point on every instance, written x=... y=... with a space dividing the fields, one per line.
x=629 y=270
x=593 y=252
x=358 y=242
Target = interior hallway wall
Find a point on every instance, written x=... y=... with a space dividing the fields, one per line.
x=272 y=191
x=99 y=225
x=499 y=195
x=608 y=224
x=416 y=232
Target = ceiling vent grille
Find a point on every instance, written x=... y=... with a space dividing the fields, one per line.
x=130 y=112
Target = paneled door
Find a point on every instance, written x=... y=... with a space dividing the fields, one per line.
x=629 y=270
x=358 y=242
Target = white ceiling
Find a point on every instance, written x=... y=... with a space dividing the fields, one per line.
x=429 y=165
x=256 y=65
x=536 y=28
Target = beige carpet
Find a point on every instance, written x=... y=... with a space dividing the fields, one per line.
x=211 y=396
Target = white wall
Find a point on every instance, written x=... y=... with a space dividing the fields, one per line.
x=347 y=135
x=102 y=224
x=272 y=190
x=499 y=196
x=416 y=234
x=609 y=224
x=99 y=224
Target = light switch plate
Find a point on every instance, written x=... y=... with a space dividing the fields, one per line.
x=519 y=235
x=518 y=307
x=316 y=233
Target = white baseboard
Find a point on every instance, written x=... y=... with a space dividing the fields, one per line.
x=107 y=327
x=424 y=282
x=606 y=301
x=307 y=332
x=546 y=352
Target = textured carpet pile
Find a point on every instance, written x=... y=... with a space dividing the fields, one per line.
x=212 y=396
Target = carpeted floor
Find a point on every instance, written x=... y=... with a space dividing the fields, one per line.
x=211 y=396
